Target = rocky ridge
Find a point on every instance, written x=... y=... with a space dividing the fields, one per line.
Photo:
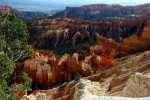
x=7 y=9
x=26 y=16
x=104 y=12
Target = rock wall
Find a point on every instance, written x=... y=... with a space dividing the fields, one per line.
x=138 y=85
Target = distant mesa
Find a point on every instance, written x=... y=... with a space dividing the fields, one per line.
x=104 y=12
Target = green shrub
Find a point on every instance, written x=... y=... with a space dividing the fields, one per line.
x=69 y=78
x=102 y=80
x=77 y=76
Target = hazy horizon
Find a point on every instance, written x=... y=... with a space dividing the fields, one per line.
x=49 y=5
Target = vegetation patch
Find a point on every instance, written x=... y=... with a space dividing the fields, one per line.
x=14 y=49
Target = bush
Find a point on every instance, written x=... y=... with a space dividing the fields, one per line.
x=77 y=76
x=69 y=78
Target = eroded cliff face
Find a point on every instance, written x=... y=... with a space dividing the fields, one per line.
x=110 y=48
x=49 y=33
x=112 y=77
x=46 y=70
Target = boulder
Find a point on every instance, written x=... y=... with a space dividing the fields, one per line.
x=85 y=89
x=138 y=85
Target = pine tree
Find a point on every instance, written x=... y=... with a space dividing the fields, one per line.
x=13 y=50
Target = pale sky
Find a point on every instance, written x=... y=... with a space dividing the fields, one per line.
x=122 y=2
x=48 y=5
x=81 y=2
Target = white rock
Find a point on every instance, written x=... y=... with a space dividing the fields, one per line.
x=41 y=96
x=86 y=89
x=38 y=96
x=138 y=85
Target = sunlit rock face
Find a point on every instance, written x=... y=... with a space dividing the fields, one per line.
x=38 y=96
x=86 y=89
x=46 y=69
x=138 y=85
x=110 y=48
x=146 y=32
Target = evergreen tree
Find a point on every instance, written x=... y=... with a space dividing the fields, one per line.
x=13 y=37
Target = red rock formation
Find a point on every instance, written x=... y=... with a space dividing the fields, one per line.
x=114 y=79
x=129 y=46
x=145 y=33
x=47 y=69
x=61 y=30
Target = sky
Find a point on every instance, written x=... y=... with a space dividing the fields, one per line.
x=78 y=2
x=122 y=2
x=49 y=5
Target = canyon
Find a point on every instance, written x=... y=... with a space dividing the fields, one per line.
x=107 y=60
x=108 y=63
